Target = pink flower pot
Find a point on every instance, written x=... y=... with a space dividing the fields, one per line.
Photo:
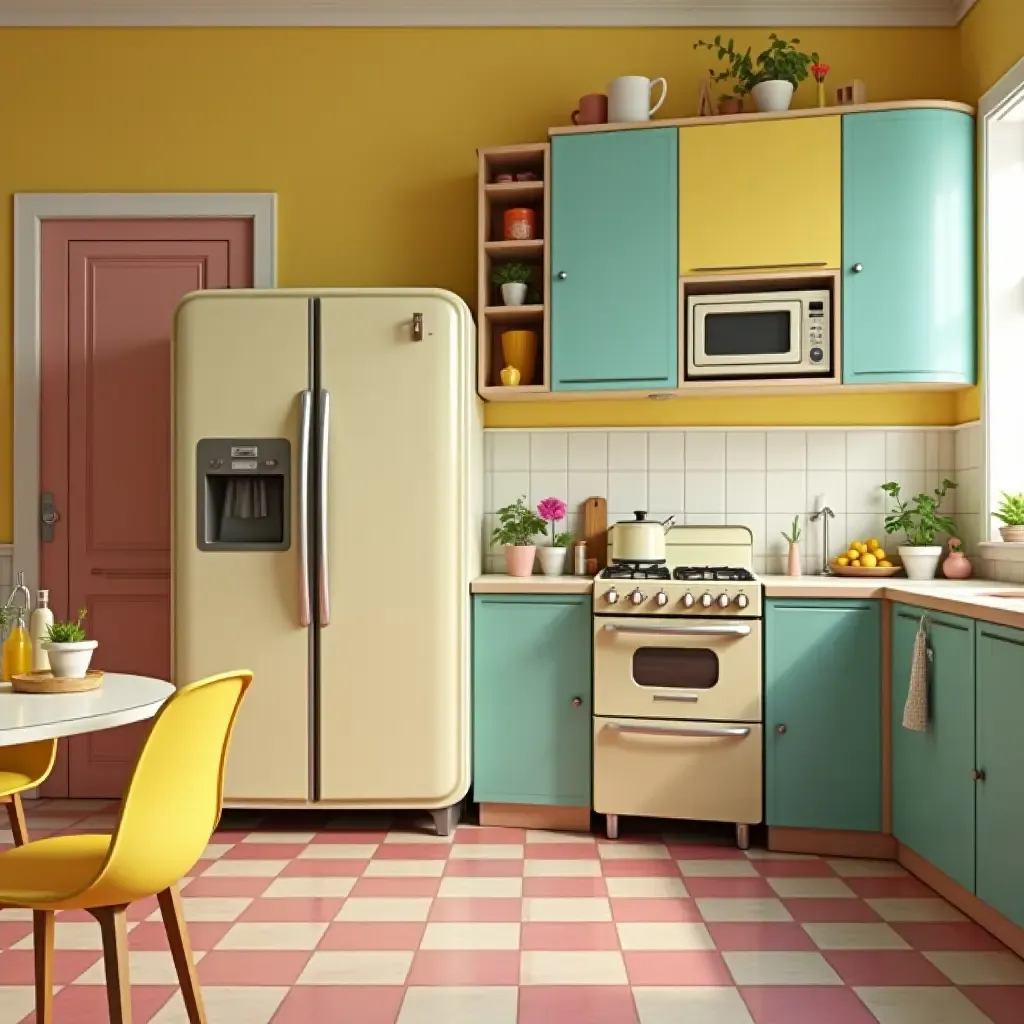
x=519 y=560
x=793 y=567
x=956 y=566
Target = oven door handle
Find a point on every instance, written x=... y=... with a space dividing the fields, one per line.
x=710 y=731
x=723 y=630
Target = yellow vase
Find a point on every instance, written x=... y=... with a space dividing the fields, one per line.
x=821 y=95
x=519 y=350
x=510 y=377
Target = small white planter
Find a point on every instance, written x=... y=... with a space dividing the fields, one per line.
x=552 y=560
x=1012 y=534
x=514 y=293
x=774 y=95
x=921 y=563
x=70 y=661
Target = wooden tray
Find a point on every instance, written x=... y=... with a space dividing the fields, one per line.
x=46 y=682
x=879 y=572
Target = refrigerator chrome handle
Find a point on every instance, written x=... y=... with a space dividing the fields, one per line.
x=325 y=434
x=305 y=429
x=723 y=630
x=716 y=731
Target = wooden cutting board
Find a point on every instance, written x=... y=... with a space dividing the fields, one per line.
x=595 y=529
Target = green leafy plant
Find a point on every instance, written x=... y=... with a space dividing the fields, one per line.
x=67 y=632
x=781 y=61
x=1011 y=510
x=511 y=273
x=919 y=518
x=739 y=69
x=518 y=524
x=561 y=540
x=794 y=535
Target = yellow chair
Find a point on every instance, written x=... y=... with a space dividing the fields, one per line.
x=170 y=810
x=23 y=767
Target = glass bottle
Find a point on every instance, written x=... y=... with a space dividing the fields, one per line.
x=17 y=652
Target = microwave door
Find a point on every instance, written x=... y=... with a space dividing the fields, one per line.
x=760 y=335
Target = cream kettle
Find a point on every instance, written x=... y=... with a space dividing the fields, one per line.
x=640 y=539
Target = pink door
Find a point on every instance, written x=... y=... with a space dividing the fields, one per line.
x=109 y=290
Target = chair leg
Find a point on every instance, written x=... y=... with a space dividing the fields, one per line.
x=16 y=816
x=42 y=938
x=114 y=928
x=181 y=951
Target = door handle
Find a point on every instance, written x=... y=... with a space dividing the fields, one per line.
x=305 y=426
x=48 y=517
x=325 y=436
x=677 y=698
x=680 y=630
x=711 y=731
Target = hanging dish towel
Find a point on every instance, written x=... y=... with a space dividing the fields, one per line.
x=915 y=712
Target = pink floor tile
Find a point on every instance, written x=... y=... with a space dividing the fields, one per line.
x=684 y=851
x=794 y=868
x=1003 y=1003
x=948 y=935
x=12 y=932
x=883 y=967
x=484 y=868
x=605 y=1004
x=690 y=967
x=292 y=909
x=835 y=911
x=324 y=869
x=564 y=887
x=364 y=838
x=226 y=887
x=373 y=935
x=482 y=909
x=490 y=834
x=252 y=967
x=729 y=887
x=890 y=888
x=87 y=1004
x=736 y=936
x=411 y=851
x=480 y=967
x=817 y=1004
x=323 y=1004
x=561 y=851
x=670 y=909
x=640 y=868
x=202 y=934
x=396 y=887
x=569 y=936
x=141 y=909
x=264 y=851
x=17 y=965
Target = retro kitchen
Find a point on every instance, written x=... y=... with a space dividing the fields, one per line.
x=512 y=516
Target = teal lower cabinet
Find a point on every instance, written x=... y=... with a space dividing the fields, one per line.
x=1000 y=757
x=823 y=714
x=933 y=793
x=532 y=699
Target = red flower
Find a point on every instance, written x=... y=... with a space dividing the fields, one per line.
x=820 y=71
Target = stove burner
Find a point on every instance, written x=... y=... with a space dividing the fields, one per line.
x=636 y=571
x=720 y=573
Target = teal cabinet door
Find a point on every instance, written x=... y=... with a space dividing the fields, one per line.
x=1001 y=765
x=531 y=699
x=614 y=260
x=932 y=790
x=823 y=714
x=908 y=247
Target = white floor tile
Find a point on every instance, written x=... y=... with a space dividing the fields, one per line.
x=756 y=853
x=562 y=967
x=273 y=935
x=16 y=1002
x=855 y=936
x=245 y=868
x=214 y=851
x=539 y=835
x=427 y=838
x=778 y=968
x=356 y=967
x=430 y=1005
x=385 y=908
x=487 y=851
x=228 y=1005
x=646 y=888
x=284 y=838
x=663 y=935
x=753 y=909
x=404 y=869
x=338 y=851
x=313 y=888
x=145 y=967
x=83 y=935
x=907 y=910
x=848 y=867
x=632 y=851
x=567 y=908
x=209 y=908
x=696 y=1005
x=483 y=887
x=814 y=888
x=471 y=935
x=734 y=868
x=561 y=868
x=921 y=1005
x=977 y=968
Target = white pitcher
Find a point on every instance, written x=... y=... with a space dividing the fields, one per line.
x=629 y=98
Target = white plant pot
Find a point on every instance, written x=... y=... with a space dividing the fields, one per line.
x=1012 y=534
x=552 y=560
x=921 y=563
x=514 y=293
x=774 y=95
x=70 y=661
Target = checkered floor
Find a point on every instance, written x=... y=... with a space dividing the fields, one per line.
x=498 y=926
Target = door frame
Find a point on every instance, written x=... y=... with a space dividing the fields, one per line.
x=30 y=210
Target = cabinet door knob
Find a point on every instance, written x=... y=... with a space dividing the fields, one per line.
x=562 y=275
x=978 y=775
x=577 y=702
x=857 y=267
x=780 y=729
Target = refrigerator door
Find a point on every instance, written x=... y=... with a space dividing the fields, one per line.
x=394 y=591
x=242 y=373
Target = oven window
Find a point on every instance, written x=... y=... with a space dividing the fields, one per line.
x=666 y=668
x=747 y=334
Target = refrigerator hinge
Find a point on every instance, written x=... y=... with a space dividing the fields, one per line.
x=417 y=327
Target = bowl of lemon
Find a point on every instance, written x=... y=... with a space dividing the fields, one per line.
x=865 y=558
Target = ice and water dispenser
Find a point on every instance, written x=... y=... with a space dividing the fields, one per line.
x=242 y=494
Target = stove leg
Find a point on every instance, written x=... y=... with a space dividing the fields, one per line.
x=743 y=837
x=446 y=819
x=612 y=825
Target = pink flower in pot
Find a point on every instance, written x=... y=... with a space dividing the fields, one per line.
x=552 y=559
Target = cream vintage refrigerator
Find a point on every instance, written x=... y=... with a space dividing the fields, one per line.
x=326 y=496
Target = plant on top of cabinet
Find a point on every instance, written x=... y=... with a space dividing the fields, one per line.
x=552 y=559
x=1011 y=514
x=512 y=279
x=922 y=522
x=729 y=103
x=517 y=526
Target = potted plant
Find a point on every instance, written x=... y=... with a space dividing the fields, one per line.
x=552 y=559
x=517 y=526
x=512 y=278
x=68 y=649
x=739 y=70
x=793 y=537
x=1011 y=514
x=921 y=522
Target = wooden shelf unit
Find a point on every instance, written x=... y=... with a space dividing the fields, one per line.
x=493 y=199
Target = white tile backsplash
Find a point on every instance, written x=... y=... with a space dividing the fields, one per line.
x=744 y=492
x=705 y=450
x=904 y=449
x=865 y=449
x=549 y=450
x=787 y=449
x=588 y=450
x=627 y=491
x=826 y=449
x=627 y=450
x=745 y=449
x=667 y=450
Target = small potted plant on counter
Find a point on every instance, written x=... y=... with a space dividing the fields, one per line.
x=517 y=526
x=552 y=559
x=1011 y=514
x=921 y=522
x=793 y=537
x=512 y=278
x=68 y=648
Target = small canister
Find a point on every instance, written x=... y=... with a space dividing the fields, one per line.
x=520 y=224
x=580 y=558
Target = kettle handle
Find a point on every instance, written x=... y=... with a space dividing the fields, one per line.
x=668 y=522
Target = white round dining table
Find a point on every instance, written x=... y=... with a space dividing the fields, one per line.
x=119 y=700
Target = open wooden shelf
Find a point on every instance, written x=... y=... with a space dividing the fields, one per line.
x=525 y=192
x=513 y=312
x=515 y=249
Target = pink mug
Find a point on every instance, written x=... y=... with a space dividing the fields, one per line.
x=593 y=109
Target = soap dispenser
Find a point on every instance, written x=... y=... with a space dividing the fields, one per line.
x=39 y=628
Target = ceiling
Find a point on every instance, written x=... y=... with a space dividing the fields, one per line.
x=711 y=13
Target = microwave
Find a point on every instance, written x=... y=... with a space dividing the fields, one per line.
x=759 y=334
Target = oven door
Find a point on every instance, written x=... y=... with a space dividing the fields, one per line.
x=683 y=668
x=735 y=336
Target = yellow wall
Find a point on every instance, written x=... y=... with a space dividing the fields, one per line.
x=368 y=136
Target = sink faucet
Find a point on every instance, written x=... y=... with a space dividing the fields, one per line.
x=824 y=514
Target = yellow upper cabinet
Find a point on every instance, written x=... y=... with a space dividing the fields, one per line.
x=760 y=194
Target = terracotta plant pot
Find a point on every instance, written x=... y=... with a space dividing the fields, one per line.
x=730 y=105
x=519 y=560
x=1012 y=534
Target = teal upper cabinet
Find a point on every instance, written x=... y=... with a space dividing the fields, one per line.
x=823 y=714
x=1000 y=757
x=933 y=793
x=614 y=260
x=531 y=699
x=908 y=247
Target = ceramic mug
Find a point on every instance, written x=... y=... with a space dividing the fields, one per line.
x=593 y=109
x=629 y=98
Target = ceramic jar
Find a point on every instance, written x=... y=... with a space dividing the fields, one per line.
x=520 y=224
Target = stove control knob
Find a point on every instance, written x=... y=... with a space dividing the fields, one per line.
x=636 y=597
x=612 y=597
x=741 y=600
x=705 y=600
x=723 y=600
x=688 y=600
x=661 y=598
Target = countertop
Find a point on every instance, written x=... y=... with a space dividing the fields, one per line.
x=499 y=583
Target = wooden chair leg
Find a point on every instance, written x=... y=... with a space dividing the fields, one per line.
x=114 y=928
x=16 y=816
x=181 y=951
x=42 y=938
